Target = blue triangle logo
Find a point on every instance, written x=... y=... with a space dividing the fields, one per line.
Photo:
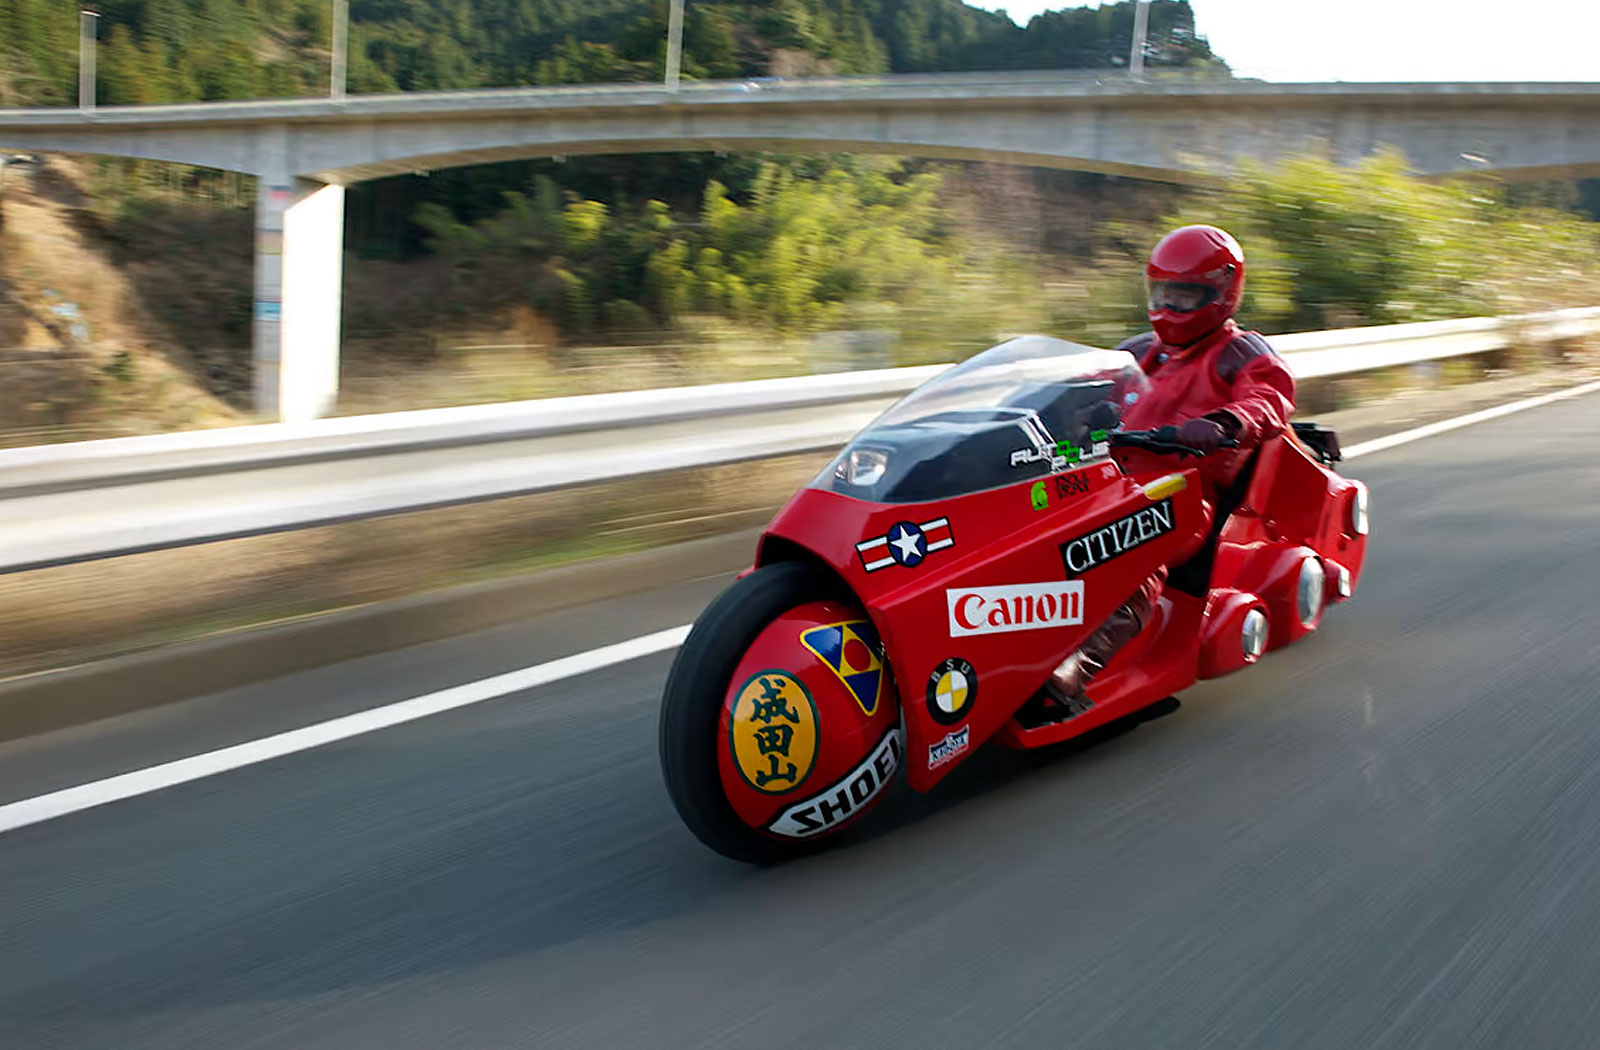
x=827 y=643
x=865 y=688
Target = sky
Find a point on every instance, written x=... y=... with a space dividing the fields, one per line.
x=1304 y=40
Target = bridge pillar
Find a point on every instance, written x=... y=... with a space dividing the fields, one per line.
x=298 y=297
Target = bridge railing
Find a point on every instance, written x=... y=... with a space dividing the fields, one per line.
x=96 y=499
x=1151 y=75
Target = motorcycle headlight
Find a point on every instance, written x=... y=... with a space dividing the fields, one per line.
x=863 y=467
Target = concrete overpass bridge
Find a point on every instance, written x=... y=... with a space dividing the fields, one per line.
x=305 y=151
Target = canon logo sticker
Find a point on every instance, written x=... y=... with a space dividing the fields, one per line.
x=1020 y=607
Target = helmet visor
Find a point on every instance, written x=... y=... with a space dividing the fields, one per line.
x=1180 y=297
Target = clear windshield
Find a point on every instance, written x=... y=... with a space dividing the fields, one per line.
x=1019 y=410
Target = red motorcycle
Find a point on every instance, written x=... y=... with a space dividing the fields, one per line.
x=908 y=605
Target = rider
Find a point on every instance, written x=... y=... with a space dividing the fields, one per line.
x=1214 y=380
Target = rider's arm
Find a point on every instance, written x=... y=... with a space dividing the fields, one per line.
x=1262 y=390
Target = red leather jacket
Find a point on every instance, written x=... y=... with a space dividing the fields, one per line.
x=1231 y=376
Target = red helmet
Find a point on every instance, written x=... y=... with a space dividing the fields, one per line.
x=1195 y=279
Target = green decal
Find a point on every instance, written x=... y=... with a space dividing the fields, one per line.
x=1041 y=498
x=1099 y=435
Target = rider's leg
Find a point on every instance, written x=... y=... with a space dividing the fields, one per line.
x=1074 y=673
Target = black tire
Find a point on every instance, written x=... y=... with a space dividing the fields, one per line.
x=691 y=708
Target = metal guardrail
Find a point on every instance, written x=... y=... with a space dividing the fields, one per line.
x=97 y=499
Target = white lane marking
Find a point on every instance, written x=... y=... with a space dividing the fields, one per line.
x=170 y=774
x=1405 y=437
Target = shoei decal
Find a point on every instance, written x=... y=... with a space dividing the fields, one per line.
x=851 y=652
x=906 y=544
x=772 y=732
x=1112 y=540
x=1023 y=607
x=844 y=798
x=948 y=749
x=952 y=690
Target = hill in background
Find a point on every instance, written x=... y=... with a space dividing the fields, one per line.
x=179 y=50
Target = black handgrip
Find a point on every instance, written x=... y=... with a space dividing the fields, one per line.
x=1162 y=440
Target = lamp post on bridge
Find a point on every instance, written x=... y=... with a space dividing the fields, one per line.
x=674 y=44
x=88 y=30
x=1141 y=29
x=341 y=47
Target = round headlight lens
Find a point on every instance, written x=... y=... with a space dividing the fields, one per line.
x=865 y=467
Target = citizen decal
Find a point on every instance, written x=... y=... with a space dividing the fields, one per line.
x=905 y=544
x=846 y=797
x=1109 y=541
x=949 y=748
x=1021 y=607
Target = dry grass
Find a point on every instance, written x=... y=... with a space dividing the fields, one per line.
x=80 y=355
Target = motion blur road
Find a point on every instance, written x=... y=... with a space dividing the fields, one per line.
x=1387 y=836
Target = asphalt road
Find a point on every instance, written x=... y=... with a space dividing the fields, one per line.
x=1387 y=836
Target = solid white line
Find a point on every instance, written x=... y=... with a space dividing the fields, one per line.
x=1405 y=437
x=171 y=774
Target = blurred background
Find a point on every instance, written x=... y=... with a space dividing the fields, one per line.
x=126 y=285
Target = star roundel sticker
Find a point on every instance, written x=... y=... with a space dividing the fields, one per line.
x=905 y=544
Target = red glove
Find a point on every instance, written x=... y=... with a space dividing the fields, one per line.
x=1203 y=434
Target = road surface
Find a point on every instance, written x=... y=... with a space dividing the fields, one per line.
x=1385 y=837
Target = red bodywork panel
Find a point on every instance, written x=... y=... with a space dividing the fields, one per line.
x=975 y=615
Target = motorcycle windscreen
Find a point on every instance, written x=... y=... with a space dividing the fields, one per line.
x=1005 y=415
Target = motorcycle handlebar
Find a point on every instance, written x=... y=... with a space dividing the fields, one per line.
x=1161 y=440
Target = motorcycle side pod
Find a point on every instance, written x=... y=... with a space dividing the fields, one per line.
x=906 y=606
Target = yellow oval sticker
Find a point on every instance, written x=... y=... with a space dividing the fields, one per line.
x=773 y=732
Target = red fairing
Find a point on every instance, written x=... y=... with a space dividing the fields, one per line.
x=1231 y=372
x=1293 y=507
x=1003 y=599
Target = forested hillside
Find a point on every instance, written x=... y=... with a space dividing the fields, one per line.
x=169 y=50
x=539 y=276
x=595 y=246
